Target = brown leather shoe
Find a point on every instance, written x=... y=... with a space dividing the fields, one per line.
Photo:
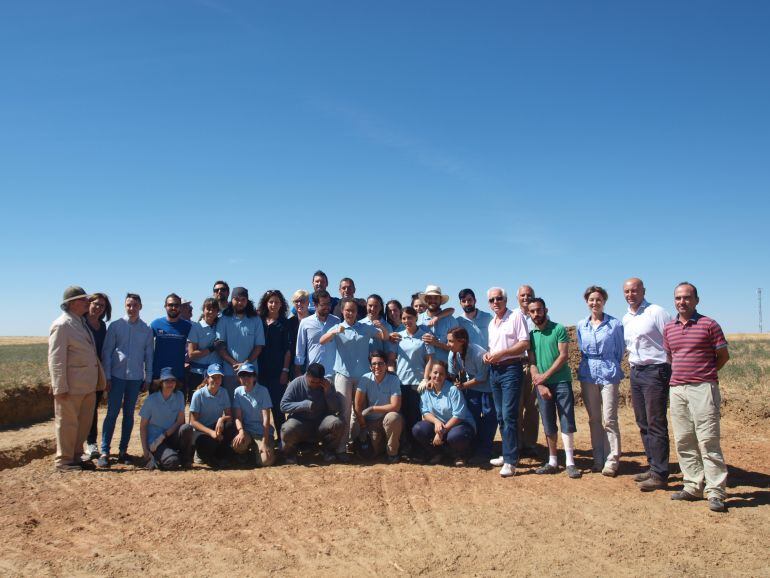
x=652 y=483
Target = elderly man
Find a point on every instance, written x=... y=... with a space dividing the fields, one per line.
x=76 y=375
x=528 y=413
x=697 y=349
x=436 y=322
x=508 y=344
x=650 y=373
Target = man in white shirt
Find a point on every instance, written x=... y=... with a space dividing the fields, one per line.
x=650 y=374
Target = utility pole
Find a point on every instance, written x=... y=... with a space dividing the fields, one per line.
x=759 y=307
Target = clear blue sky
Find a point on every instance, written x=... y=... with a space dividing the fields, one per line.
x=160 y=145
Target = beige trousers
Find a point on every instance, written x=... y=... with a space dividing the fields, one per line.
x=695 y=420
x=386 y=432
x=529 y=416
x=601 y=403
x=265 y=451
x=73 y=416
x=346 y=387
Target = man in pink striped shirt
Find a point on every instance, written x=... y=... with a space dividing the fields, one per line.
x=697 y=349
x=508 y=343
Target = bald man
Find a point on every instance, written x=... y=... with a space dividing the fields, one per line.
x=529 y=418
x=650 y=374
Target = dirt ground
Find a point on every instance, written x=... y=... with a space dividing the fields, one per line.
x=377 y=519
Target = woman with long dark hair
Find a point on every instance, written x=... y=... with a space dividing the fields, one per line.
x=275 y=357
x=99 y=311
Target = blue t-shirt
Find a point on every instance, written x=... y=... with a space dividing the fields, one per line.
x=209 y=407
x=161 y=413
x=474 y=366
x=445 y=405
x=251 y=403
x=241 y=334
x=477 y=328
x=439 y=330
x=412 y=351
x=170 y=345
x=352 y=358
x=378 y=393
x=203 y=335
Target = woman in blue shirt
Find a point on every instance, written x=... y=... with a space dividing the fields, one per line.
x=375 y=311
x=210 y=416
x=469 y=373
x=447 y=426
x=600 y=340
x=201 y=345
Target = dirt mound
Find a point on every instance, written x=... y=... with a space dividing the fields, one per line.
x=23 y=405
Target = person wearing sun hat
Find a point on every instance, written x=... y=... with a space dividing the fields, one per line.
x=76 y=375
x=210 y=415
x=436 y=322
x=166 y=438
x=252 y=407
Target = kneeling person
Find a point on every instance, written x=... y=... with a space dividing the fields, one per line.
x=310 y=402
x=551 y=376
x=252 y=405
x=166 y=439
x=210 y=416
x=377 y=405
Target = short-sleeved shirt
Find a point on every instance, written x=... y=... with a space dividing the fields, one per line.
x=692 y=347
x=411 y=352
x=309 y=349
x=209 y=407
x=203 y=335
x=474 y=366
x=160 y=412
x=378 y=393
x=643 y=334
x=242 y=335
x=352 y=358
x=602 y=348
x=545 y=346
x=439 y=331
x=377 y=343
x=170 y=345
x=511 y=329
x=446 y=404
x=477 y=328
x=251 y=403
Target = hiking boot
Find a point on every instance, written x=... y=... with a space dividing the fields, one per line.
x=547 y=468
x=643 y=476
x=717 y=505
x=685 y=496
x=652 y=483
x=574 y=473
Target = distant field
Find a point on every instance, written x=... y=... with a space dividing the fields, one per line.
x=23 y=365
x=22 y=340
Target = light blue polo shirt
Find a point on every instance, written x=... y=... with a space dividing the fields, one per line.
x=446 y=405
x=377 y=343
x=209 y=407
x=478 y=328
x=161 y=413
x=439 y=330
x=251 y=403
x=241 y=334
x=352 y=358
x=203 y=335
x=474 y=366
x=378 y=393
x=412 y=351
x=309 y=349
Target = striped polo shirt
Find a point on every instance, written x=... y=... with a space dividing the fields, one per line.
x=692 y=348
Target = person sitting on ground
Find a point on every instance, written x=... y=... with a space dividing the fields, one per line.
x=447 y=427
x=548 y=355
x=166 y=439
x=252 y=406
x=377 y=405
x=210 y=416
x=310 y=402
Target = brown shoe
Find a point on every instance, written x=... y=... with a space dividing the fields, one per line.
x=642 y=476
x=652 y=483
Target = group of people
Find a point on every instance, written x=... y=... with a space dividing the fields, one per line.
x=343 y=376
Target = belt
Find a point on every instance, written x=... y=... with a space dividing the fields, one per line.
x=646 y=365
x=508 y=362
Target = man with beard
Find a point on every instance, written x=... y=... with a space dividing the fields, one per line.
x=222 y=295
x=436 y=325
x=170 y=334
x=241 y=330
x=529 y=417
x=311 y=329
x=348 y=291
x=474 y=320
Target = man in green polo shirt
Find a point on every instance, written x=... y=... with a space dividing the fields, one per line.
x=551 y=376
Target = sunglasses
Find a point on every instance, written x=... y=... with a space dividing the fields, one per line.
x=376 y=363
x=220 y=289
x=496 y=299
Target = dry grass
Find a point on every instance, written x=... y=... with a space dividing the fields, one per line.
x=23 y=365
x=29 y=340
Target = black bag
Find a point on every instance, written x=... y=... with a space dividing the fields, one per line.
x=364 y=447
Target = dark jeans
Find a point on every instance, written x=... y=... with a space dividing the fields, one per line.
x=92 y=433
x=649 y=395
x=211 y=451
x=563 y=400
x=122 y=395
x=276 y=391
x=458 y=443
x=482 y=406
x=328 y=431
x=410 y=409
x=506 y=390
x=176 y=450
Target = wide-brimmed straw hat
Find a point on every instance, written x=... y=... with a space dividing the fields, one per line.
x=434 y=290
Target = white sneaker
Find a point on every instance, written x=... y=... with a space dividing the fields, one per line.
x=507 y=471
x=93 y=451
x=497 y=461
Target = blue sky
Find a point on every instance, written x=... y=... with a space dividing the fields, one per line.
x=157 y=146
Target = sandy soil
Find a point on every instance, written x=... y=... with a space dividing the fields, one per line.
x=375 y=519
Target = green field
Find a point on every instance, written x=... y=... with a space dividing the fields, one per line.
x=23 y=365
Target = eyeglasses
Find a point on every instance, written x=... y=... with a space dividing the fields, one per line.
x=376 y=363
x=220 y=289
x=496 y=298
x=298 y=302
